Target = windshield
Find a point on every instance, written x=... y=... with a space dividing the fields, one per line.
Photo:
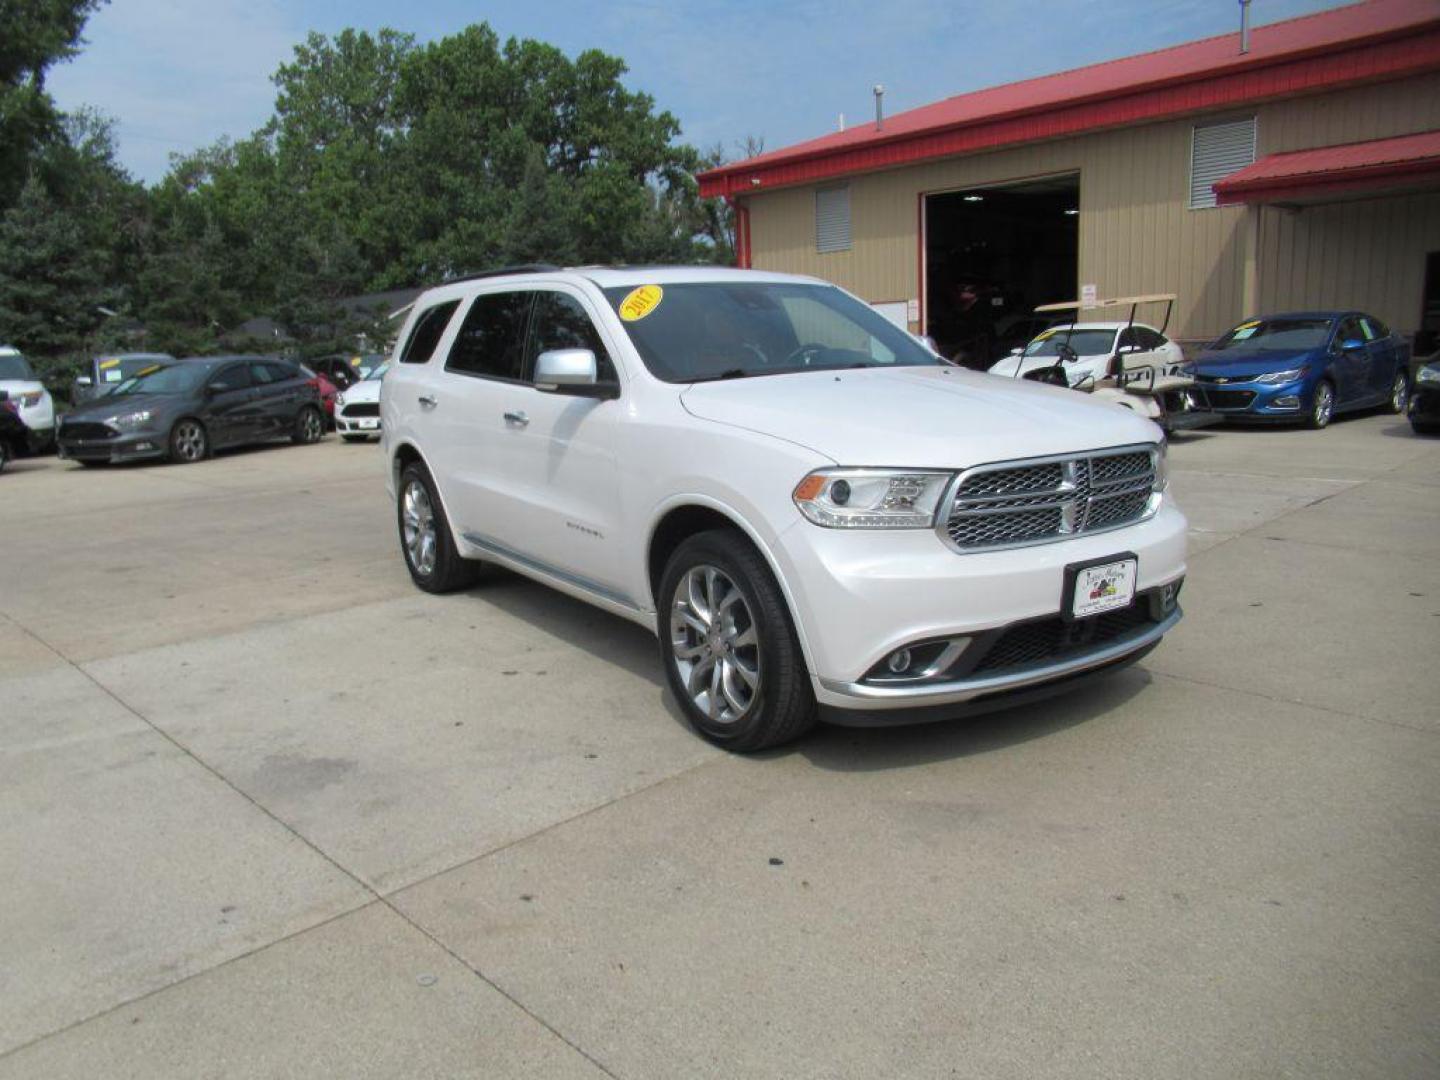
x=15 y=366
x=377 y=372
x=699 y=331
x=163 y=379
x=116 y=369
x=1083 y=342
x=1287 y=334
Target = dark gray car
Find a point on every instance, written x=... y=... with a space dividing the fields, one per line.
x=186 y=409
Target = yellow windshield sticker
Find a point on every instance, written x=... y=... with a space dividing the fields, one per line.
x=1045 y=334
x=147 y=370
x=641 y=302
x=1248 y=325
x=109 y=364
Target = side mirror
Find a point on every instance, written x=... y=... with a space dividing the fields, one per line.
x=84 y=380
x=1016 y=351
x=571 y=371
x=1351 y=345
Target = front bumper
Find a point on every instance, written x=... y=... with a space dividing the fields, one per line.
x=140 y=446
x=860 y=596
x=361 y=425
x=1239 y=400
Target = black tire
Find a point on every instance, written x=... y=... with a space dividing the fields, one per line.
x=1399 y=394
x=777 y=704
x=446 y=570
x=4 y=454
x=1425 y=427
x=309 y=426
x=1322 y=406
x=353 y=438
x=189 y=441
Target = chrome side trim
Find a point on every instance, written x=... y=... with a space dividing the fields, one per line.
x=573 y=580
x=960 y=690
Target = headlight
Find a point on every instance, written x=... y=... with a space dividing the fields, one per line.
x=1162 y=466
x=131 y=420
x=340 y=398
x=871 y=498
x=31 y=398
x=1428 y=373
x=1292 y=375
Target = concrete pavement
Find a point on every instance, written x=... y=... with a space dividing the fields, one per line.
x=266 y=810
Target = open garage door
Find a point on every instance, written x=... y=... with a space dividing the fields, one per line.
x=991 y=255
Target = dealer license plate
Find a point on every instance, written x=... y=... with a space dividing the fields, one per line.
x=369 y=425
x=1103 y=587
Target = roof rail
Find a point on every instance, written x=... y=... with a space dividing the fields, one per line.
x=499 y=271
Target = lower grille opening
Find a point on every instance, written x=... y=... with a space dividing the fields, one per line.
x=1053 y=638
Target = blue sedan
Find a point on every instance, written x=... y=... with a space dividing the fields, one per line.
x=1305 y=367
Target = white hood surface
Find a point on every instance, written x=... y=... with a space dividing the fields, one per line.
x=917 y=417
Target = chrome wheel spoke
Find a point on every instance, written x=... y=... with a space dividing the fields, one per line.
x=710 y=621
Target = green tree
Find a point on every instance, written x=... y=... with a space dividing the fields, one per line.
x=36 y=35
x=54 y=282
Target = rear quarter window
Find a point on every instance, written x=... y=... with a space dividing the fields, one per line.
x=429 y=329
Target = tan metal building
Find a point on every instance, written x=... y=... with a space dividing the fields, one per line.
x=1194 y=170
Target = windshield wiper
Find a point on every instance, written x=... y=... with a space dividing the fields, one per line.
x=732 y=373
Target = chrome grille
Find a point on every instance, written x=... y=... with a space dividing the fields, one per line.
x=1016 y=503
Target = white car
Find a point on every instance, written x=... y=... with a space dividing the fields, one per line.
x=37 y=409
x=816 y=515
x=357 y=409
x=1087 y=350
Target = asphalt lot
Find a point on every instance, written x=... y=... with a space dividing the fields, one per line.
x=267 y=810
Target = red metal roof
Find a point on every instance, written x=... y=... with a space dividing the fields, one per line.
x=1317 y=52
x=1381 y=164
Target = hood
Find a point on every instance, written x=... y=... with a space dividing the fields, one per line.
x=917 y=417
x=101 y=409
x=16 y=387
x=1237 y=363
x=364 y=390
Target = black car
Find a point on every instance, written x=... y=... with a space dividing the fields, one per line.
x=344 y=370
x=14 y=435
x=104 y=373
x=1425 y=397
x=185 y=410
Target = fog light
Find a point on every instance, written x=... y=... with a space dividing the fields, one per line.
x=899 y=661
x=144 y=446
x=1289 y=401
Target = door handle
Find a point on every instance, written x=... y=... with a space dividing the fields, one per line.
x=519 y=419
x=428 y=402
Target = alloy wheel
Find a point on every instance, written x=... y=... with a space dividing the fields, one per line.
x=1399 y=393
x=189 y=441
x=419 y=525
x=1324 y=404
x=314 y=426
x=715 y=643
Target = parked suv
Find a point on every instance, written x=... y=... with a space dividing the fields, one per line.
x=814 y=513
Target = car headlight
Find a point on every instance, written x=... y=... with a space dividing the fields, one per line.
x=1162 y=466
x=340 y=398
x=871 y=498
x=131 y=420
x=1428 y=374
x=1293 y=375
x=30 y=398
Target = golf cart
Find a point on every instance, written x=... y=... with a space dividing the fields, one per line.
x=1130 y=364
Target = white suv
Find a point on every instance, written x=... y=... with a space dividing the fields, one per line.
x=816 y=515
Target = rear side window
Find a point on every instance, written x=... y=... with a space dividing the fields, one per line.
x=561 y=323
x=429 y=328
x=491 y=341
x=232 y=378
x=1149 y=339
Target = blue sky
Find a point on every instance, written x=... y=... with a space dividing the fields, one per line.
x=179 y=75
